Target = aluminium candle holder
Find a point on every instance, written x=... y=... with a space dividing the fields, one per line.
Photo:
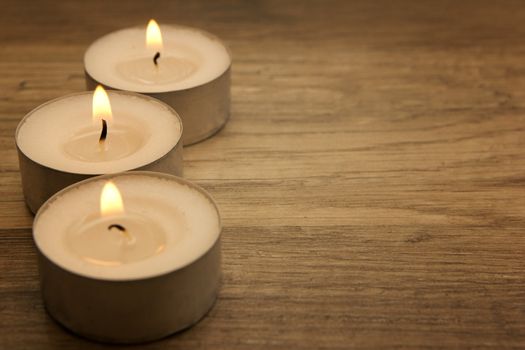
x=40 y=182
x=204 y=109
x=135 y=310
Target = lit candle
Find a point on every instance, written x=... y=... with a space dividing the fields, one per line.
x=187 y=68
x=81 y=135
x=129 y=257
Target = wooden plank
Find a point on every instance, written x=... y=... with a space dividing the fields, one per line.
x=371 y=178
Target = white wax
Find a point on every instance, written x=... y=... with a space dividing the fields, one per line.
x=186 y=219
x=189 y=58
x=61 y=133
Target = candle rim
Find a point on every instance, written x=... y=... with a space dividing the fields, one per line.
x=205 y=33
x=107 y=177
x=109 y=91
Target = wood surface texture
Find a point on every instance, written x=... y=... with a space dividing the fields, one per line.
x=371 y=178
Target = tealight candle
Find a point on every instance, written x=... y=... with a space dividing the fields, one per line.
x=187 y=68
x=128 y=257
x=77 y=136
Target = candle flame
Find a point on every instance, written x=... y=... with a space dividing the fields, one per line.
x=153 y=36
x=101 y=106
x=111 y=200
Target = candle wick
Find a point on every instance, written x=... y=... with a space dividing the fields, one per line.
x=121 y=229
x=156 y=57
x=118 y=227
x=104 y=132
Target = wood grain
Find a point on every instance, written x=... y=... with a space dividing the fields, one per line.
x=371 y=179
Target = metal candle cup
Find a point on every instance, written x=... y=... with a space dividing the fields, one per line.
x=137 y=301
x=199 y=89
x=51 y=155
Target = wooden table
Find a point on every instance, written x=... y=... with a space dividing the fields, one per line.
x=371 y=179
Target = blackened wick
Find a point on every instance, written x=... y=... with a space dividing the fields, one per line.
x=104 y=132
x=118 y=227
